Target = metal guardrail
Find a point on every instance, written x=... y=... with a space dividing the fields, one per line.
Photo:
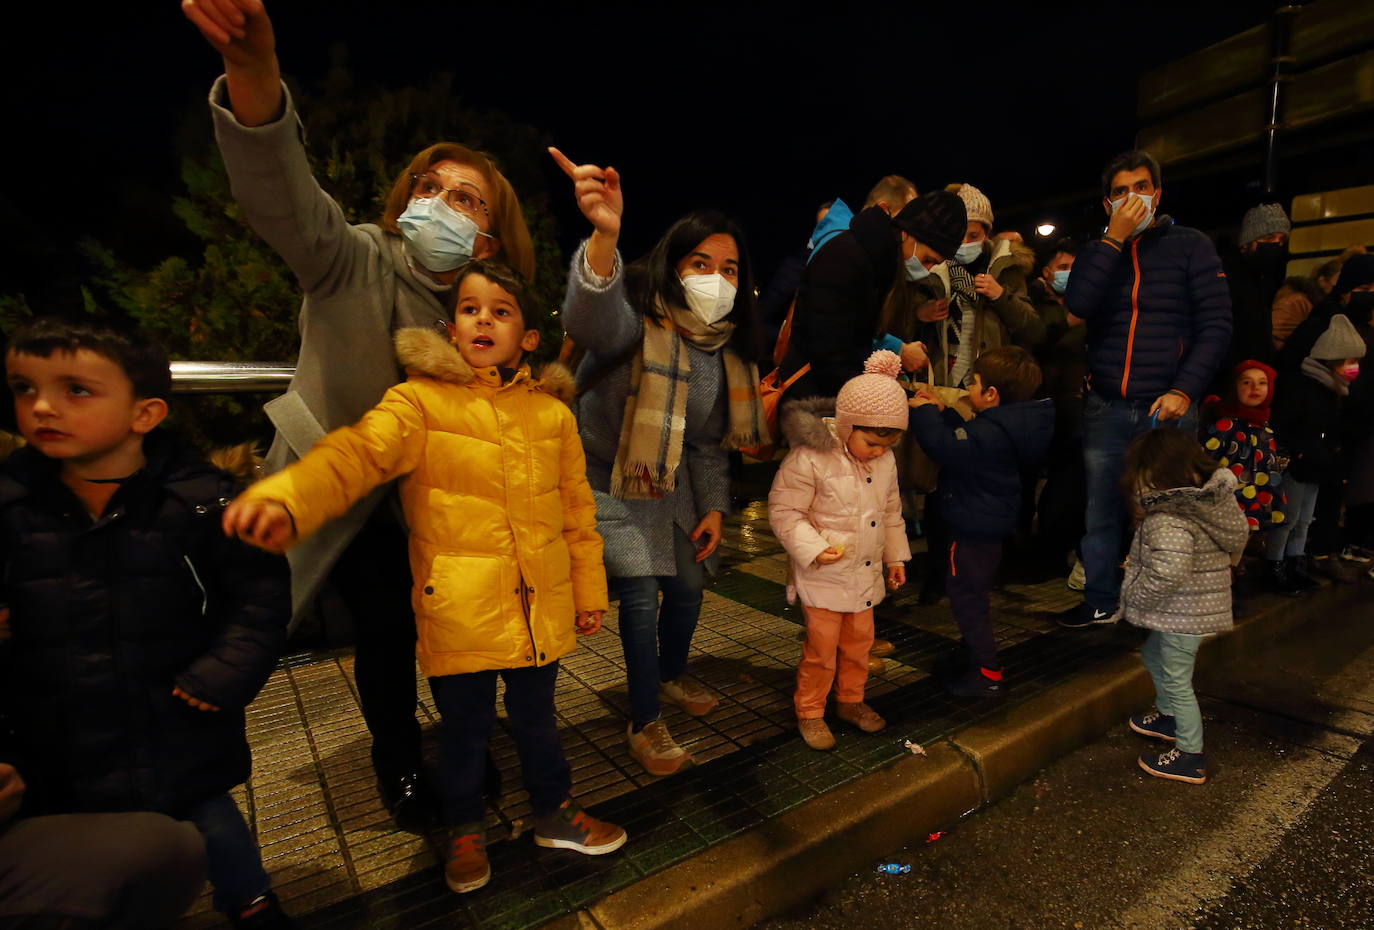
x=230 y=377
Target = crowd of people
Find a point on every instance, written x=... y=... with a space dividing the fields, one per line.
x=1136 y=402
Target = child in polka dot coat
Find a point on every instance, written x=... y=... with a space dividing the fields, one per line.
x=1178 y=583
x=1236 y=432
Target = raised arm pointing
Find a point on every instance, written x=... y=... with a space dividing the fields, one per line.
x=601 y=202
x=241 y=32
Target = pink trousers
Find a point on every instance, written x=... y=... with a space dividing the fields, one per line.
x=832 y=639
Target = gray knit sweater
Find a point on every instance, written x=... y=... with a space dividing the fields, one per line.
x=1178 y=577
x=638 y=534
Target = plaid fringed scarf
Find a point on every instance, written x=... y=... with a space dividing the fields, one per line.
x=651 y=434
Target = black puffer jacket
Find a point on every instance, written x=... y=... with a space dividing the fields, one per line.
x=108 y=616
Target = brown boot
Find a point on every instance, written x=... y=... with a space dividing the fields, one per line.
x=858 y=714
x=881 y=648
x=465 y=862
x=816 y=734
x=875 y=665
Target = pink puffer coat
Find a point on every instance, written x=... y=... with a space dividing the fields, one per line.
x=822 y=497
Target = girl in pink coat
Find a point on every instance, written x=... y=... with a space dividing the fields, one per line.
x=835 y=508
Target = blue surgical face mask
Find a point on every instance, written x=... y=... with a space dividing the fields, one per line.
x=1149 y=215
x=1060 y=284
x=968 y=253
x=438 y=236
x=915 y=271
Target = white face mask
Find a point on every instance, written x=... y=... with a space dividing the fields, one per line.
x=915 y=271
x=968 y=253
x=1149 y=205
x=709 y=296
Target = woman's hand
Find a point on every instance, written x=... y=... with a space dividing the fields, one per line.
x=195 y=702
x=601 y=202
x=265 y=524
x=987 y=285
x=588 y=621
x=241 y=32
x=710 y=528
x=830 y=556
x=933 y=311
x=896 y=576
x=914 y=357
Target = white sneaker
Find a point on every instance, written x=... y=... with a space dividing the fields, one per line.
x=1078 y=578
x=653 y=748
x=1356 y=554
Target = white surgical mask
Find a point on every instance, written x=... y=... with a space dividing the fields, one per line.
x=968 y=253
x=709 y=296
x=915 y=271
x=439 y=237
x=1149 y=205
x=1060 y=284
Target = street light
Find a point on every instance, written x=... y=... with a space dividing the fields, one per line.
x=1045 y=230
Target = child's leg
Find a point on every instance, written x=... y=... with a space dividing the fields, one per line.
x=1154 y=664
x=856 y=638
x=529 y=708
x=231 y=849
x=1302 y=505
x=816 y=672
x=972 y=564
x=1177 y=654
x=467 y=704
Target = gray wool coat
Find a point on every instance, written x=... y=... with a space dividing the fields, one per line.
x=1178 y=576
x=358 y=289
x=638 y=534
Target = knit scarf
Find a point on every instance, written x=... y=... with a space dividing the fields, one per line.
x=1324 y=376
x=963 y=307
x=1258 y=416
x=651 y=434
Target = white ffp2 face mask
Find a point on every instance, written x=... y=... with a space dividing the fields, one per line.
x=709 y=296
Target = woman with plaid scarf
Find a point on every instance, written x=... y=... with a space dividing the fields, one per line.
x=667 y=386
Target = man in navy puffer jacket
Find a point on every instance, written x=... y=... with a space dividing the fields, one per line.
x=1158 y=314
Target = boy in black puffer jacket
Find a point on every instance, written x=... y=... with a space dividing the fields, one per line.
x=138 y=631
x=980 y=494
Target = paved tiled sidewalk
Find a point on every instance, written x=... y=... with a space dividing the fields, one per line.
x=335 y=858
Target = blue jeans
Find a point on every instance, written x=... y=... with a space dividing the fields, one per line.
x=467 y=704
x=1109 y=425
x=235 y=861
x=656 y=639
x=1290 y=536
x=1169 y=658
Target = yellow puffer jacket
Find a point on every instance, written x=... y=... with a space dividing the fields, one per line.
x=503 y=542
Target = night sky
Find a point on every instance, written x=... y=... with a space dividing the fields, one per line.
x=763 y=110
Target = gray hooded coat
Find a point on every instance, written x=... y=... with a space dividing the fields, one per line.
x=1178 y=577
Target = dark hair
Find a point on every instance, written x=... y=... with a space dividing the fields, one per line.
x=1011 y=370
x=1064 y=246
x=510 y=281
x=1128 y=161
x=882 y=432
x=652 y=280
x=139 y=357
x=1165 y=457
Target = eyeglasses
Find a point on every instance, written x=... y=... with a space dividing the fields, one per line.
x=460 y=199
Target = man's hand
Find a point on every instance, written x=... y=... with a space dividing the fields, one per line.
x=265 y=524
x=11 y=792
x=1169 y=406
x=914 y=357
x=710 y=527
x=195 y=702
x=987 y=285
x=896 y=576
x=1126 y=218
x=932 y=311
x=830 y=556
x=588 y=621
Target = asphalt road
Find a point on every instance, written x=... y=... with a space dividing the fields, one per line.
x=1281 y=836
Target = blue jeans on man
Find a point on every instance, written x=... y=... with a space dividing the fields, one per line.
x=1109 y=425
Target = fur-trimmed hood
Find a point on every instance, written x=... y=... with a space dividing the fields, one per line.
x=1212 y=507
x=425 y=352
x=809 y=422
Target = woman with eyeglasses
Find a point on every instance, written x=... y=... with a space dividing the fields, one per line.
x=448 y=206
x=667 y=385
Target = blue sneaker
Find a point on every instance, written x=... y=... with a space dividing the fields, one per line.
x=1177 y=765
x=1085 y=615
x=1160 y=726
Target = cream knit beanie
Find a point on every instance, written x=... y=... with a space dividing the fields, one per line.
x=975 y=202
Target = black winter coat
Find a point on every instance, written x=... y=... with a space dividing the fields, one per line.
x=107 y=616
x=981 y=462
x=839 y=303
x=1158 y=314
x=1308 y=423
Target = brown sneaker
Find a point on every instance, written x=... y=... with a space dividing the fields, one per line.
x=860 y=715
x=688 y=695
x=875 y=665
x=573 y=828
x=653 y=748
x=881 y=648
x=465 y=862
x=816 y=734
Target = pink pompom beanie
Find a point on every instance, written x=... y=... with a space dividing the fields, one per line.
x=874 y=398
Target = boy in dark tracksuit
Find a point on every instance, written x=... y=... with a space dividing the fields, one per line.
x=980 y=493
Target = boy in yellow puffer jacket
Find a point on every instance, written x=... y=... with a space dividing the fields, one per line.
x=504 y=552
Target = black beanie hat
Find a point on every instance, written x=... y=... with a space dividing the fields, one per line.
x=1357 y=271
x=937 y=219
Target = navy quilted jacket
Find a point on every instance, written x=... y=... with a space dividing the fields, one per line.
x=1158 y=312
